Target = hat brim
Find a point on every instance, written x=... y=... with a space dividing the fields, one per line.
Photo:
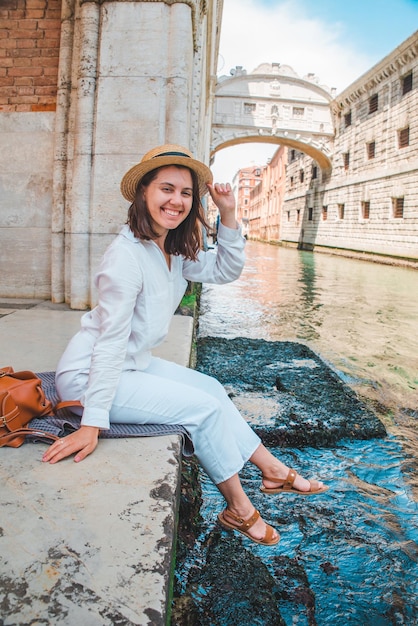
x=137 y=172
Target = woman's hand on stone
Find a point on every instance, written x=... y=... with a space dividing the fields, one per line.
x=81 y=443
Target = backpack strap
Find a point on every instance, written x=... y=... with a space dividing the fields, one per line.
x=67 y=404
x=20 y=434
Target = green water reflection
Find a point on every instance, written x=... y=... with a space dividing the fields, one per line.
x=360 y=316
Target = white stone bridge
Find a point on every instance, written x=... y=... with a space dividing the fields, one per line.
x=273 y=104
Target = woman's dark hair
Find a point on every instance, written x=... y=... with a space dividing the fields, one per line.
x=186 y=239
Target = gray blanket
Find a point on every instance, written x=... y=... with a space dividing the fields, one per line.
x=66 y=422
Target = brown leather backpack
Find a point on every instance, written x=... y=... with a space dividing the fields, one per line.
x=21 y=399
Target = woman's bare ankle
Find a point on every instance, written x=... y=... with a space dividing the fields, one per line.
x=243 y=511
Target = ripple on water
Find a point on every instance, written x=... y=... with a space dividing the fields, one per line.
x=358 y=543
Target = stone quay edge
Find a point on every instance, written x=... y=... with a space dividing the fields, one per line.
x=89 y=543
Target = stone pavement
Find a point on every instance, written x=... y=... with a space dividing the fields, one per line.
x=92 y=543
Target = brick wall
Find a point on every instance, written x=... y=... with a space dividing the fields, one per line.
x=29 y=52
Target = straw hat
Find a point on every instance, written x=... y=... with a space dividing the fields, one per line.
x=169 y=154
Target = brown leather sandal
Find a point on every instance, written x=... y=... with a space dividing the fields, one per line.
x=245 y=524
x=286 y=485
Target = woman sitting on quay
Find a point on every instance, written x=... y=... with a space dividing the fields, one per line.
x=108 y=364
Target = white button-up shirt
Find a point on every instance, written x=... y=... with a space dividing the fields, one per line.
x=137 y=297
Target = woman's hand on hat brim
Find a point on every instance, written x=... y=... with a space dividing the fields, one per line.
x=224 y=199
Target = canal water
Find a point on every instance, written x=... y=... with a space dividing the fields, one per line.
x=357 y=544
x=360 y=317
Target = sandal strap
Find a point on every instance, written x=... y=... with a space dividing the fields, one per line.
x=269 y=534
x=291 y=477
x=289 y=480
x=244 y=524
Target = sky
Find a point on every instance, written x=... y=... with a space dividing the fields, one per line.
x=337 y=40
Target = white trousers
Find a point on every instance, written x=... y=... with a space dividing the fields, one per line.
x=167 y=393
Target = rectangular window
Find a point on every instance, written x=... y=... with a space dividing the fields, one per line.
x=346 y=160
x=371 y=150
x=373 y=103
x=292 y=155
x=324 y=212
x=310 y=214
x=314 y=171
x=403 y=138
x=291 y=181
x=347 y=119
x=288 y=216
x=341 y=211
x=301 y=176
x=298 y=215
x=365 y=210
x=397 y=207
x=249 y=108
x=298 y=111
x=406 y=83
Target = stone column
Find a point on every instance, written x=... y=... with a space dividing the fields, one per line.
x=130 y=76
x=61 y=153
x=179 y=76
x=143 y=99
x=80 y=195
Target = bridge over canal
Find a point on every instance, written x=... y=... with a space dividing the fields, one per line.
x=274 y=105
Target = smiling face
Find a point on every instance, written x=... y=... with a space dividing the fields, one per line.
x=169 y=198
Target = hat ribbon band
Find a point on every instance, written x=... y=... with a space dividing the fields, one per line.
x=182 y=154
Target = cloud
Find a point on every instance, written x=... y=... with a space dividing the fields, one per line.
x=253 y=33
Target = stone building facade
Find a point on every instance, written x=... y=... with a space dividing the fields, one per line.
x=368 y=202
x=86 y=88
x=267 y=199
x=243 y=183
